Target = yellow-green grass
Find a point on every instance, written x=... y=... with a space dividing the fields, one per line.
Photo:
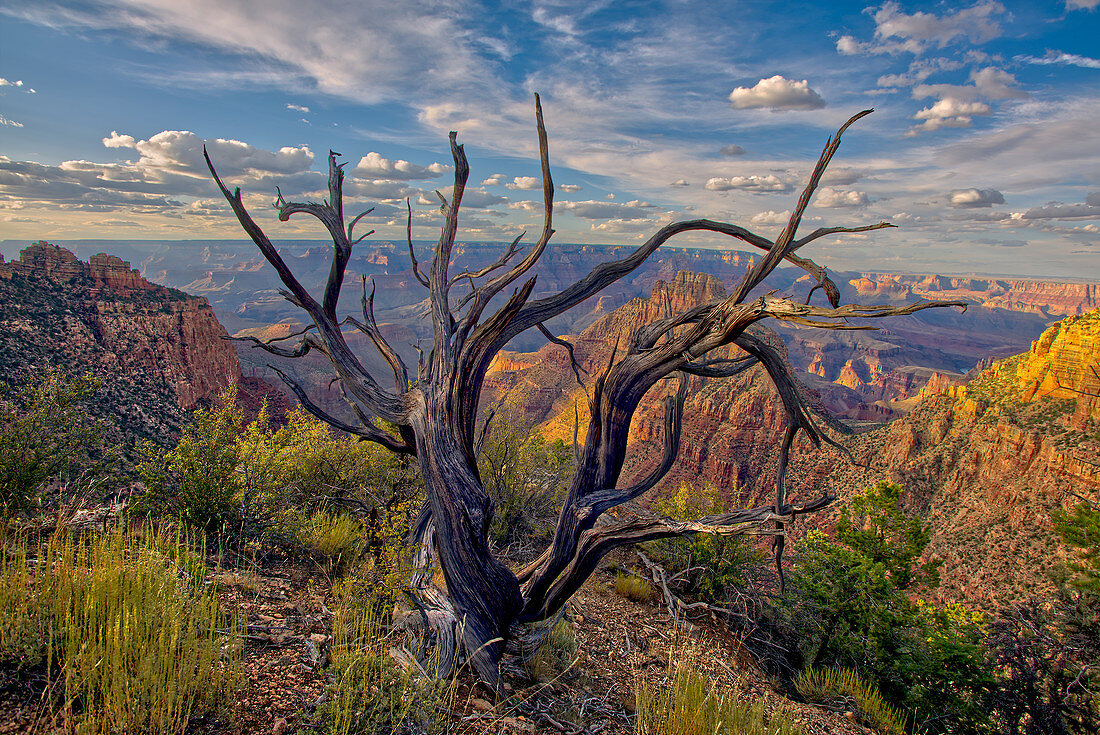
x=830 y=685
x=131 y=636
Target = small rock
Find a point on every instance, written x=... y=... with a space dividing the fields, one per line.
x=279 y=728
x=319 y=639
x=480 y=705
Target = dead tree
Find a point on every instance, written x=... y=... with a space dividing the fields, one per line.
x=484 y=604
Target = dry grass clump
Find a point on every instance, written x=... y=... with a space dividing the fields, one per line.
x=131 y=636
x=339 y=539
x=845 y=687
x=370 y=693
x=633 y=587
x=687 y=703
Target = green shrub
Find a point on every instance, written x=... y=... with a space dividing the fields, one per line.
x=130 y=644
x=525 y=477
x=846 y=687
x=704 y=566
x=688 y=704
x=844 y=608
x=557 y=652
x=633 y=587
x=46 y=433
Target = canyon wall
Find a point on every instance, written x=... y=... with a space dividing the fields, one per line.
x=159 y=352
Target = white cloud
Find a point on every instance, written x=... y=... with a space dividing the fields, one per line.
x=595 y=209
x=9 y=122
x=114 y=140
x=899 y=32
x=6 y=83
x=1056 y=210
x=374 y=166
x=989 y=83
x=770 y=182
x=494 y=180
x=828 y=197
x=974 y=198
x=680 y=183
x=570 y=188
x=777 y=93
x=1082 y=4
x=1062 y=58
x=771 y=217
x=525 y=182
x=732 y=150
x=948 y=113
x=298 y=108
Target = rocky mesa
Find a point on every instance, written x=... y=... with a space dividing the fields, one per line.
x=158 y=351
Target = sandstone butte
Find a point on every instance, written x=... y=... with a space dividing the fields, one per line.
x=135 y=326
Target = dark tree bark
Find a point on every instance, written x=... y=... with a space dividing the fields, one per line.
x=485 y=604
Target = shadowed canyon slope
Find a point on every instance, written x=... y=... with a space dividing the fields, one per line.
x=159 y=352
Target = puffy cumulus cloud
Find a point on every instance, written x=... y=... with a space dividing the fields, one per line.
x=181 y=151
x=899 y=32
x=525 y=182
x=374 y=166
x=570 y=188
x=595 y=209
x=777 y=93
x=6 y=83
x=757 y=184
x=828 y=197
x=841 y=176
x=948 y=113
x=298 y=108
x=475 y=198
x=989 y=83
x=974 y=198
x=771 y=217
x=85 y=186
x=1057 y=210
x=377 y=189
x=680 y=183
x=494 y=180
x=731 y=150
x=114 y=140
x=625 y=226
x=7 y=121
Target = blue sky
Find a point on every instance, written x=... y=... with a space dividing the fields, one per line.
x=984 y=148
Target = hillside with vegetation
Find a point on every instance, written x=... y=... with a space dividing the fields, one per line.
x=953 y=589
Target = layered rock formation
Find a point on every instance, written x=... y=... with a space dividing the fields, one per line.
x=986 y=462
x=732 y=427
x=158 y=351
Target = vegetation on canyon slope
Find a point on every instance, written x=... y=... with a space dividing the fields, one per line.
x=297 y=488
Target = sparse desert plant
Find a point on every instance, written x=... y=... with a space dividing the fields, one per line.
x=557 y=652
x=130 y=644
x=687 y=703
x=846 y=687
x=633 y=587
x=369 y=693
x=339 y=539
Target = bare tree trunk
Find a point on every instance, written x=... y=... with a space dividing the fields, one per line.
x=484 y=603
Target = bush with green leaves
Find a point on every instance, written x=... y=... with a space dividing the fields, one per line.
x=705 y=566
x=47 y=434
x=846 y=607
x=257 y=479
x=525 y=476
x=1045 y=651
